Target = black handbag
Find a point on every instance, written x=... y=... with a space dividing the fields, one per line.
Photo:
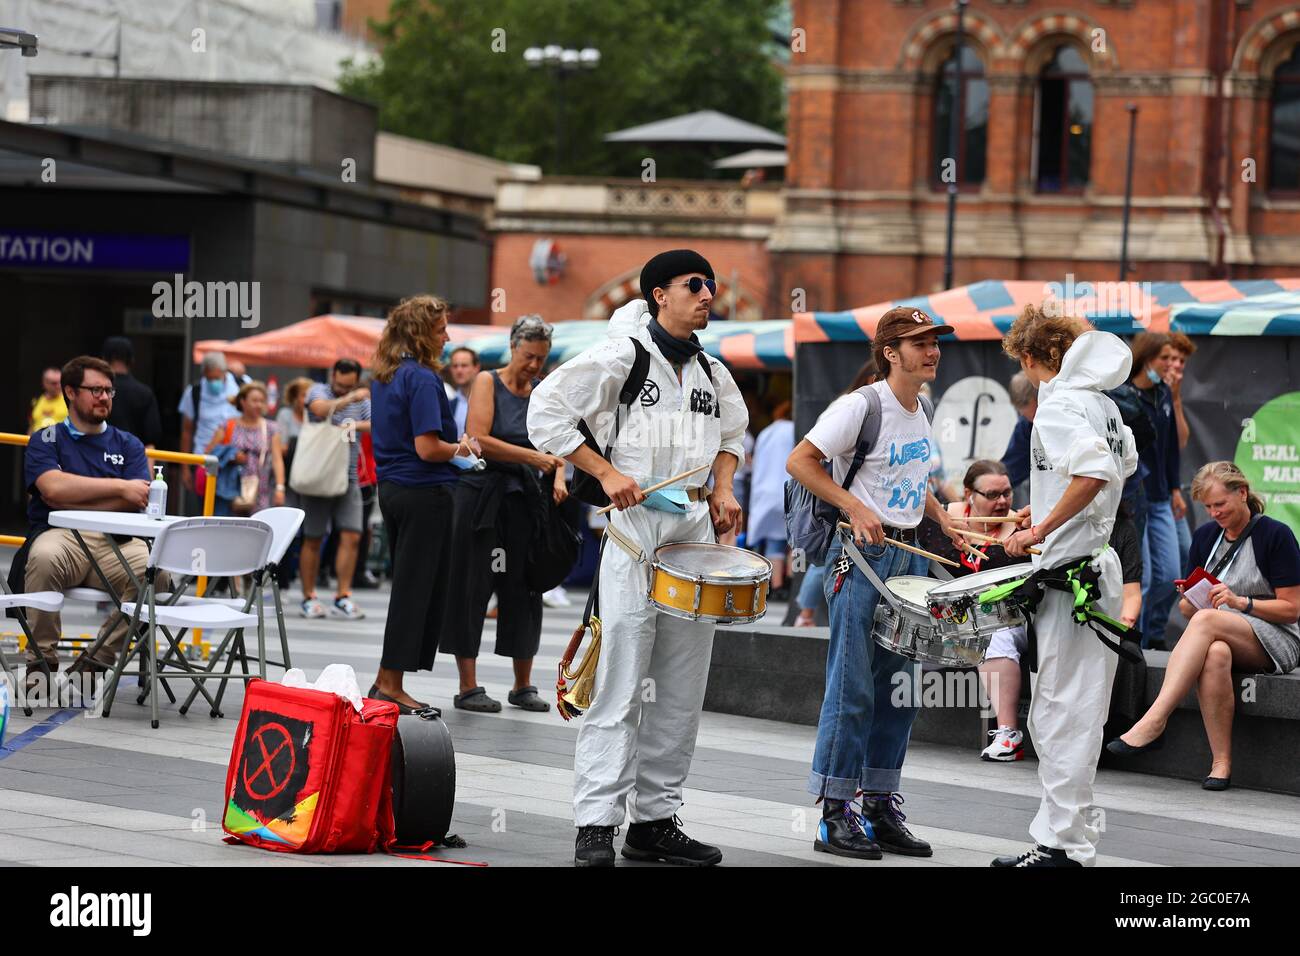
x=554 y=551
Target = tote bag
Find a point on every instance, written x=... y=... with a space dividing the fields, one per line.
x=320 y=462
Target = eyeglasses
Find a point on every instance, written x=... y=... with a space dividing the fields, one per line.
x=694 y=284
x=993 y=495
x=99 y=391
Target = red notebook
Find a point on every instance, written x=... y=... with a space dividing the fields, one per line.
x=1196 y=588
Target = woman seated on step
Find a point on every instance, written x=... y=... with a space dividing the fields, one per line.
x=1250 y=623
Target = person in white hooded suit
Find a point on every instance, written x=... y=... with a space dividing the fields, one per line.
x=638 y=736
x=1080 y=454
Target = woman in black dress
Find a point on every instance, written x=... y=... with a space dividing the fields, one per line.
x=495 y=520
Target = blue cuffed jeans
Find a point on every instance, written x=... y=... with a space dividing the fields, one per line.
x=862 y=733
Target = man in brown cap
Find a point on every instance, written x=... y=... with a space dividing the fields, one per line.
x=880 y=485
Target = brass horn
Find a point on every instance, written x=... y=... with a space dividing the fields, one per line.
x=575 y=689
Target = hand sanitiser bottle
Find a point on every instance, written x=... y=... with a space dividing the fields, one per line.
x=157 y=507
x=470 y=462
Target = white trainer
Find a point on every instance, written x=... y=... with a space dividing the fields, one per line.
x=1007 y=745
x=556 y=597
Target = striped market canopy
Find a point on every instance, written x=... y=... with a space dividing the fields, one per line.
x=985 y=310
x=1276 y=313
x=767 y=345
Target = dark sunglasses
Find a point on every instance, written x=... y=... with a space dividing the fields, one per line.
x=993 y=495
x=694 y=284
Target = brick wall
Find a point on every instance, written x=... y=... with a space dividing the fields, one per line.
x=595 y=261
x=863 y=223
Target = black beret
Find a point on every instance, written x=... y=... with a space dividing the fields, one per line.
x=666 y=266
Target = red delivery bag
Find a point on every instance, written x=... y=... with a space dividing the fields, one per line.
x=308 y=774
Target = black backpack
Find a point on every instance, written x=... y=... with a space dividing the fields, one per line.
x=586 y=488
x=810 y=523
x=1129 y=403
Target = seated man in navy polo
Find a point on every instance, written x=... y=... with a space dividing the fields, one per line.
x=83 y=463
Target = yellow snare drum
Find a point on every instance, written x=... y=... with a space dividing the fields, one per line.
x=709 y=582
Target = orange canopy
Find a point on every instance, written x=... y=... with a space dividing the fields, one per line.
x=316 y=343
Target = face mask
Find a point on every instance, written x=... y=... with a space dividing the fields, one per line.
x=1154 y=376
x=215 y=386
x=672 y=500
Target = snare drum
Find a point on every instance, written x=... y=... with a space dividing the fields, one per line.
x=911 y=630
x=959 y=614
x=907 y=629
x=709 y=582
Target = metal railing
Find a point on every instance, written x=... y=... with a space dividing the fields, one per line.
x=209 y=463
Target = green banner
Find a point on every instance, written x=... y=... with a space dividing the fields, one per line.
x=1268 y=454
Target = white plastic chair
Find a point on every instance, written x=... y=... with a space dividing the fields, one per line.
x=51 y=601
x=216 y=547
x=284 y=523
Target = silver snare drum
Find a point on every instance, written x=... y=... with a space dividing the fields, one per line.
x=959 y=615
x=911 y=631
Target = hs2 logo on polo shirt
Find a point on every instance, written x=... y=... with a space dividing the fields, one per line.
x=115 y=459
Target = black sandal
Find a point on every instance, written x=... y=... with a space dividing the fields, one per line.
x=477 y=700
x=527 y=698
x=402 y=709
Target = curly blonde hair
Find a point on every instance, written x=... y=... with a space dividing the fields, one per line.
x=1042 y=337
x=409 y=331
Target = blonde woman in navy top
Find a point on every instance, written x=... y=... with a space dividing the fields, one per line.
x=1250 y=625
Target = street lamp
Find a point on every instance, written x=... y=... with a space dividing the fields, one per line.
x=12 y=38
x=954 y=143
x=1128 y=190
x=560 y=62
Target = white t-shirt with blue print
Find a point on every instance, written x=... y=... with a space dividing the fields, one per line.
x=892 y=479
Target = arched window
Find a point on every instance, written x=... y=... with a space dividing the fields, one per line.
x=970 y=97
x=1284 y=128
x=1064 y=123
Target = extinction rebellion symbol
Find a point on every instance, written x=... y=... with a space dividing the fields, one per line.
x=272 y=774
x=273 y=764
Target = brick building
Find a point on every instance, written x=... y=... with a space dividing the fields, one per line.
x=1040 y=165
x=605 y=230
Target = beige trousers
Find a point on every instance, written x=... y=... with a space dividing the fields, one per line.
x=56 y=562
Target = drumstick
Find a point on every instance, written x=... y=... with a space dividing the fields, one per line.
x=907 y=547
x=663 y=484
x=992 y=540
x=1008 y=518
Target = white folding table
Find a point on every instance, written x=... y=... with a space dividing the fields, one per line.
x=122 y=524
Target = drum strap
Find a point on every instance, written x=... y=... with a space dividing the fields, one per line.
x=856 y=557
x=593 y=597
x=1077 y=578
x=621 y=540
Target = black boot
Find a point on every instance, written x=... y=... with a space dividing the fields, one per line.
x=840 y=832
x=594 y=847
x=882 y=817
x=1038 y=856
x=662 y=841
